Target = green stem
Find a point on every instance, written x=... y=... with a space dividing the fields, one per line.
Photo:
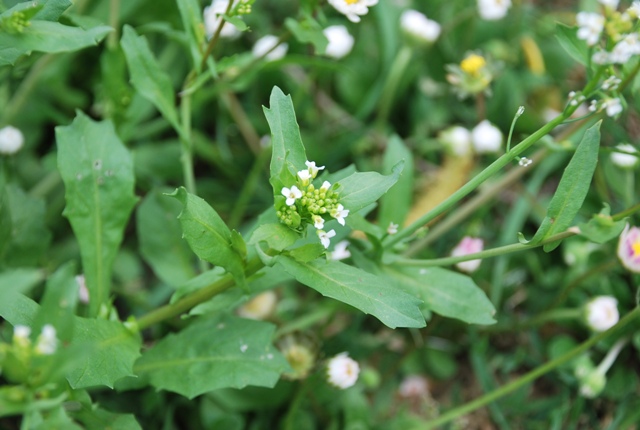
x=27 y=86
x=389 y=91
x=114 y=16
x=46 y=184
x=214 y=39
x=305 y=321
x=531 y=376
x=628 y=212
x=289 y=420
x=488 y=253
x=174 y=309
x=552 y=315
x=185 y=138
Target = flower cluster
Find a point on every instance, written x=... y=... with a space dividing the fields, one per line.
x=305 y=204
x=15 y=23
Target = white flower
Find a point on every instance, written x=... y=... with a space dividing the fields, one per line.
x=613 y=4
x=304 y=175
x=292 y=194
x=625 y=160
x=626 y=48
x=590 y=26
x=486 y=137
x=21 y=335
x=318 y=222
x=392 y=228
x=213 y=18
x=340 y=41
x=612 y=106
x=342 y=371
x=611 y=83
x=492 y=10
x=418 y=26
x=457 y=140
x=353 y=9
x=268 y=47
x=83 y=291
x=340 y=213
x=600 y=57
x=634 y=9
x=602 y=313
x=11 y=140
x=629 y=248
x=313 y=169
x=47 y=341
x=340 y=251
x=524 y=162
x=415 y=386
x=325 y=186
x=325 y=236
x=260 y=307
x=468 y=245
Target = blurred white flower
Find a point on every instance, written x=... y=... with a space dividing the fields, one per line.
x=83 y=291
x=613 y=4
x=392 y=228
x=353 y=9
x=623 y=160
x=268 y=47
x=213 y=18
x=342 y=371
x=456 y=140
x=492 y=10
x=11 y=140
x=21 y=335
x=612 y=106
x=414 y=386
x=468 y=245
x=340 y=41
x=340 y=251
x=419 y=27
x=634 y=9
x=590 y=26
x=626 y=48
x=260 y=307
x=601 y=313
x=47 y=341
x=629 y=248
x=592 y=384
x=486 y=137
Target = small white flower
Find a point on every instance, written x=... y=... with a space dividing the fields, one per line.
x=325 y=237
x=325 y=186
x=590 y=26
x=612 y=106
x=213 y=18
x=613 y=4
x=342 y=371
x=626 y=48
x=83 y=291
x=418 y=26
x=318 y=222
x=414 y=386
x=524 y=162
x=260 y=307
x=340 y=41
x=457 y=140
x=602 y=313
x=313 y=169
x=623 y=160
x=353 y=9
x=304 y=176
x=340 y=213
x=292 y=194
x=492 y=10
x=47 y=341
x=611 y=83
x=21 y=335
x=340 y=251
x=392 y=228
x=268 y=47
x=600 y=57
x=468 y=245
x=486 y=137
x=634 y=9
x=11 y=140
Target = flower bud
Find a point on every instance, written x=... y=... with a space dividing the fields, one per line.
x=342 y=371
x=340 y=41
x=457 y=140
x=486 y=137
x=259 y=307
x=268 y=47
x=418 y=27
x=468 y=245
x=601 y=313
x=11 y=140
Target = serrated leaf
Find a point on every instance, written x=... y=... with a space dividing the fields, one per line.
x=160 y=238
x=308 y=31
x=287 y=150
x=361 y=189
x=568 y=38
x=447 y=293
x=364 y=291
x=572 y=190
x=208 y=235
x=395 y=205
x=277 y=236
x=222 y=352
x=147 y=77
x=97 y=171
x=49 y=37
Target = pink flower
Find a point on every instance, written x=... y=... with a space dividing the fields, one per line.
x=468 y=245
x=629 y=248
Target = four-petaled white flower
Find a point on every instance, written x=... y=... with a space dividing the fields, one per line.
x=392 y=228
x=419 y=27
x=11 y=140
x=304 y=175
x=342 y=371
x=292 y=194
x=602 y=313
x=340 y=213
x=340 y=251
x=325 y=237
x=468 y=245
x=313 y=169
x=47 y=341
x=590 y=26
x=269 y=47
x=486 y=137
x=318 y=222
x=325 y=186
x=625 y=159
x=492 y=10
x=353 y=9
x=340 y=41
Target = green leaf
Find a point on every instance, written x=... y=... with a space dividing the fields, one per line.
x=568 y=38
x=601 y=228
x=277 y=236
x=572 y=190
x=361 y=189
x=364 y=291
x=308 y=31
x=160 y=238
x=237 y=22
x=208 y=235
x=18 y=281
x=147 y=77
x=97 y=171
x=288 y=154
x=214 y=353
x=447 y=293
x=50 y=37
x=26 y=237
x=52 y=9
x=307 y=253
x=191 y=14
x=395 y=205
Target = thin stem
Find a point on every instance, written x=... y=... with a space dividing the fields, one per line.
x=611 y=356
x=214 y=39
x=46 y=184
x=187 y=146
x=552 y=315
x=391 y=85
x=531 y=376
x=242 y=121
x=628 y=212
x=114 y=16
